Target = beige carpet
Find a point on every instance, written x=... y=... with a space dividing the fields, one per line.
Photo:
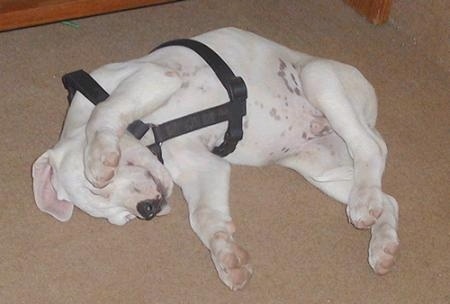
x=302 y=247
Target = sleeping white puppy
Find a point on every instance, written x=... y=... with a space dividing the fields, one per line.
x=309 y=114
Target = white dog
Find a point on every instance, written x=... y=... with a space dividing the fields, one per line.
x=309 y=114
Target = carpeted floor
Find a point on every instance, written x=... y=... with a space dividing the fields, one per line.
x=302 y=248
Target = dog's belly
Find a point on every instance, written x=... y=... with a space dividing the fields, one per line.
x=280 y=120
x=276 y=128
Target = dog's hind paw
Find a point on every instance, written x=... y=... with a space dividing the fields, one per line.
x=382 y=249
x=365 y=206
x=101 y=157
x=231 y=261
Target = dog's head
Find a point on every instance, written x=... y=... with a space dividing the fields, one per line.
x=139 y=187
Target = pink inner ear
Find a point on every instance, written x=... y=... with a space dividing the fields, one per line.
x=44 y=193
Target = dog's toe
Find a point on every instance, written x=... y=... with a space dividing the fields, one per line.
x=102 y=156
x=231 y=261
x=365 y=207
x=383 y=247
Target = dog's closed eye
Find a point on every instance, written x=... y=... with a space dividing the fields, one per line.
x=135 y=189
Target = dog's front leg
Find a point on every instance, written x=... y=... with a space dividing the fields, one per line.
x=204 y=179
x=142 y=92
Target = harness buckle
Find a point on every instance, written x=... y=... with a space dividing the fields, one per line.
x=138 y=128
x=237 y=110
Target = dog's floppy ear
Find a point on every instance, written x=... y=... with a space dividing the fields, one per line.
x=44 y=193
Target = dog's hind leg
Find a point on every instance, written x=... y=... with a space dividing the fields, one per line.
x=143 y=91
x=340 y=92
x=327 y=164
x=204 y=179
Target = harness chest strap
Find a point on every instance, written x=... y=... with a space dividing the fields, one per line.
x=232 y=111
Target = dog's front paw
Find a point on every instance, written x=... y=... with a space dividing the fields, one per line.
x=383 y=246
x=101 y=157
x=231 y=261
x=365 y=206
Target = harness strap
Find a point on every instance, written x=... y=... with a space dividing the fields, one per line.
x=83 y=82
x=232 y=111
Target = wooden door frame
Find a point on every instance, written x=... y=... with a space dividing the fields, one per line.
x=376 y=11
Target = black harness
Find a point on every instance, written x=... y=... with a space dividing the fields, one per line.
x=232 y=111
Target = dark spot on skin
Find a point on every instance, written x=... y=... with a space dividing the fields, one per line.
x=130 y=163
x=286 y=104
x=319 y=127
x=259 y=104
x=282 y=134
x=136 y=190
x=325 y=131
x=176 y=66
x=318 y=115
x=290 y=128
x=285 y=150
x=294 y=88
x=287 y=117
x=274 y=114
x=170 y=73
x=185 y=85
x=304 y=136
x=286 y=83
x=246 y=124
x=293 y=79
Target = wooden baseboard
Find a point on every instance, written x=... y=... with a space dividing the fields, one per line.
x=376 y=11
x=21 y=13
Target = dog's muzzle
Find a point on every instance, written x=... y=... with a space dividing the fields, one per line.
x=148 y=209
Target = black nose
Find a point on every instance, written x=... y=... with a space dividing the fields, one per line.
x=148 y=209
